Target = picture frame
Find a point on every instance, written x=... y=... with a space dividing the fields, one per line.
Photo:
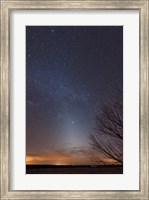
x=6 y=7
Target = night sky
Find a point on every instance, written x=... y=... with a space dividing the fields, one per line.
x=71 y=71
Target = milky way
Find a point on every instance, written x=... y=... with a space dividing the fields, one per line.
x=71 y=72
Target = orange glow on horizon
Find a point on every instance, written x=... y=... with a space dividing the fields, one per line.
x=59 y=158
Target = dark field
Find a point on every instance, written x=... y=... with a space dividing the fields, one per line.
x=69 y=169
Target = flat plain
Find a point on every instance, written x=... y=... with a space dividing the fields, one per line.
x=77 y=169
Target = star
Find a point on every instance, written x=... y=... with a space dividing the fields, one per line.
x=72 y=122
x=60 y=115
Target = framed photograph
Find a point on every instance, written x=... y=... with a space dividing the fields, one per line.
x=74 y=99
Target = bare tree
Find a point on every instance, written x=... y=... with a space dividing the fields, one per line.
x=106 y=140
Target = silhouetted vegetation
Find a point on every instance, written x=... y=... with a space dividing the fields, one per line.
x=106 y=140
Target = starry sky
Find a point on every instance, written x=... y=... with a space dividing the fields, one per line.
x=71 y=71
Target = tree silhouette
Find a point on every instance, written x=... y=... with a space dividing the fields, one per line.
x=106 y=140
